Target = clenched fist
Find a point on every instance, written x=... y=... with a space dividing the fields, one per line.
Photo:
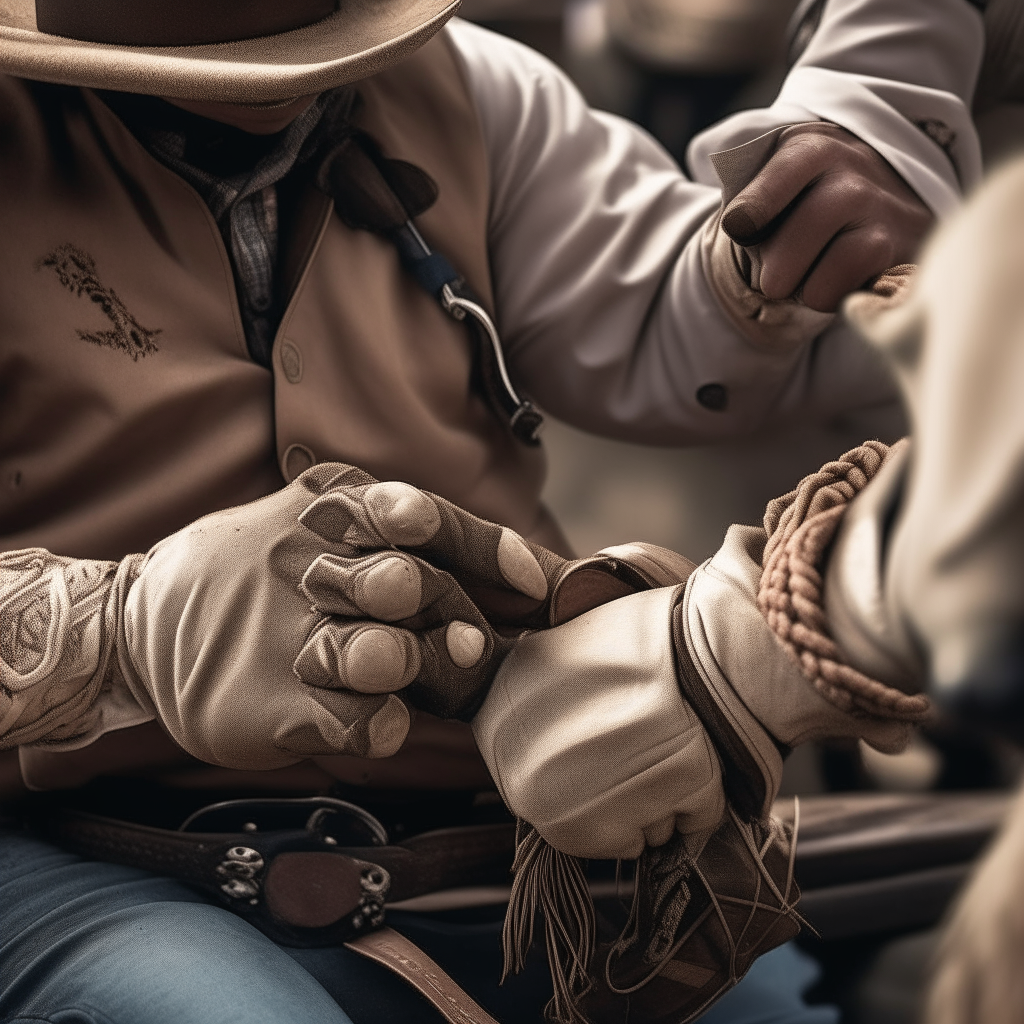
x=824 y=217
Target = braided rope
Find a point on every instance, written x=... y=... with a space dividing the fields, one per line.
x=800 y=526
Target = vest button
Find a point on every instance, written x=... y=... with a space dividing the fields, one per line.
x=297 y=458
x=291 y=362
x=713 y=396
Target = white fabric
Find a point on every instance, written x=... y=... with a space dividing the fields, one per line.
x=952 y=582
x=874 y=637
x=878 y=67
x=606 y=315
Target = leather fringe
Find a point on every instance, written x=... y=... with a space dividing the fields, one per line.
x=553 y=882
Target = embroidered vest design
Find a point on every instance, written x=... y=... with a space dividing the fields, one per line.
x=76 y=270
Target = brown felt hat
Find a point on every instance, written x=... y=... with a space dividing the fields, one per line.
x=242 y=51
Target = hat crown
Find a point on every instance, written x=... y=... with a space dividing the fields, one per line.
x=177 y=23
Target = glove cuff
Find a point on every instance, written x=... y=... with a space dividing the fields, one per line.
x=60 y=684
x=718 y=656
x=612 y=573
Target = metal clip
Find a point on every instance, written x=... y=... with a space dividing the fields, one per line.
x=524 y=420
x=240 y=866
x=459 y=308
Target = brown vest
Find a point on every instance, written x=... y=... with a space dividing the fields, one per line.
x=130 y=405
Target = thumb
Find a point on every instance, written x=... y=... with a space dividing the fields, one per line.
x=804 y=153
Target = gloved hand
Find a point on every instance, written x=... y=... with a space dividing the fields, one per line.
x=237 y=662
x=231 y=631
x=676 y=666
x=461 y=588
x=810 y=214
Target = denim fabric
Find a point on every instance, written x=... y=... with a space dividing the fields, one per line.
x=89 y=943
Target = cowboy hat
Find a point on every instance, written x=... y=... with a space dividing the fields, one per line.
x=241 y=51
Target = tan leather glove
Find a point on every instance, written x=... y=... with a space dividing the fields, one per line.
x=589 y=738
x=230 y=632
x=220 y=638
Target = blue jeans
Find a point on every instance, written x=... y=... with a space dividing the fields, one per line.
x=83 y=942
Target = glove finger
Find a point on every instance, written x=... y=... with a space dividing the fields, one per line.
x=445 y=652
x=459 y=660
x=460 y=654
x=330 y=476
x=458 y=649
x=379 y=515
x=473 y=550
x=342 y=722
x=482 y=553
x=386 y=585
x=444 y=642
x=365 y=657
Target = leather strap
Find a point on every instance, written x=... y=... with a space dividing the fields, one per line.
x=440 y=859
x=395 y=952
x=447 y=858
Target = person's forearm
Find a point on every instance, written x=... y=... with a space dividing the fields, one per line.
x=602 y=292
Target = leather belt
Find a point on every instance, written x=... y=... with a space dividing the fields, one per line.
x=308 y=872
x=319 y=871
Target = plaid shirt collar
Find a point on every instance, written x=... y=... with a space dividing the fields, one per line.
x=244 y=204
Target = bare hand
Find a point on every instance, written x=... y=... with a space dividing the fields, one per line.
x=828 y=215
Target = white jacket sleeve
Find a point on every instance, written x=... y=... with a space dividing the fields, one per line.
x=594 y=233
x=898 y=74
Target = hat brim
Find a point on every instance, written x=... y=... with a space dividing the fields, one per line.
x=362 y=38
